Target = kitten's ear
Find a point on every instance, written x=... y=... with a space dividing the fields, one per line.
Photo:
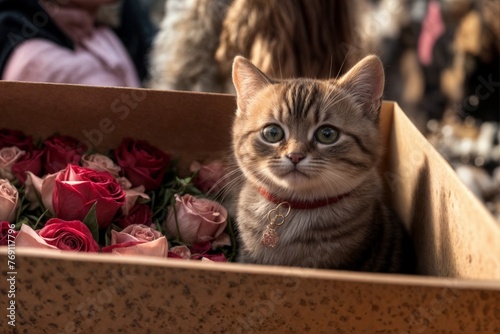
x=366 y=82
x=248 y=80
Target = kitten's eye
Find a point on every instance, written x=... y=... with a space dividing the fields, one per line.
x=326 y=135
x=273 y=133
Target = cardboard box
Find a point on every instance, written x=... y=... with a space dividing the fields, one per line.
x=457 y=240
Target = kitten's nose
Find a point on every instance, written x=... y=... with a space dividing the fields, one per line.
x=295 y=157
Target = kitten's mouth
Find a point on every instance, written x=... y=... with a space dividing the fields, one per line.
x=295 y=173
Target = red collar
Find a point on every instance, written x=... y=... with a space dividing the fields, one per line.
x=302 y=204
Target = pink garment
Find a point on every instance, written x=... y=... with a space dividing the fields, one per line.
x=432 y=28
x=100 y=60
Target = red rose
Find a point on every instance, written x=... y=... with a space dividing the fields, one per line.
x=142 y=163
x=16 y=138
x=61 y=151
x=76 y=189
x=139 y=214
x=68 y=235
x=29 y=162
x=6 y=228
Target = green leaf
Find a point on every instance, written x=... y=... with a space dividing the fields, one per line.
x=91 y=222
x=39 y=220
x=20 y=222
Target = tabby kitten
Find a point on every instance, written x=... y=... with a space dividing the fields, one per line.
x=308 y=151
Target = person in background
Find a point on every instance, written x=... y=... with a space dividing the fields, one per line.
x=93 y=42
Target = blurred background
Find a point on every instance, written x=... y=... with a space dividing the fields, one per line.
x=442 y=57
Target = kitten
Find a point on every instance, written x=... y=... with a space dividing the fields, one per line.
x=308 y=151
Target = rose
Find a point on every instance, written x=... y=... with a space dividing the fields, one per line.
x=58 y=234
x=139 y=214
x=9 y=201
x=219 y=257
x=71 y=193
x=142 y=163
x=197 y=252
x=6 y=229
x=29 y=162
x=209 y=177
x=100 y=163
x=9 y=138
x=8 y=157
x=196 y=220
x=78 y=188
x=138 y=240
x=180 y=252
x=61 y=151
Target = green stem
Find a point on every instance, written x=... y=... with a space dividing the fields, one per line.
x=232 y=237
x=179 y=236
x=40 y=218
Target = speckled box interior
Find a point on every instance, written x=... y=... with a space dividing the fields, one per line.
x=457 y=241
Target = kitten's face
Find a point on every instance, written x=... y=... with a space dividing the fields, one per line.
x=305 y=137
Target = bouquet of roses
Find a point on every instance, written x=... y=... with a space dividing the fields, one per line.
x=57 y=195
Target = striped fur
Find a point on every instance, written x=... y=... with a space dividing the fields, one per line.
x=356 y=233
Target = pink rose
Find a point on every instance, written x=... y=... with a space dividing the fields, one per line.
x=180 y=252
x=100 y=163
x=139 y=214
x=142 y=163
x=138 y=240
x=71 y=193
x=29 y=162
x=7 y=229
x=9 y=201
x=198 y=219
x=197 y=252
x=9 y=138
x=8 y=157
x=61 y=151
x=58 y=234
x=219 y=257
x=210 y=177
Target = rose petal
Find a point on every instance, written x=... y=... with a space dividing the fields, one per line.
x=131 y=196
x=182 y=252
x=27 y=237
x=120 y=238
x=158 y=248
x=221 y=240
